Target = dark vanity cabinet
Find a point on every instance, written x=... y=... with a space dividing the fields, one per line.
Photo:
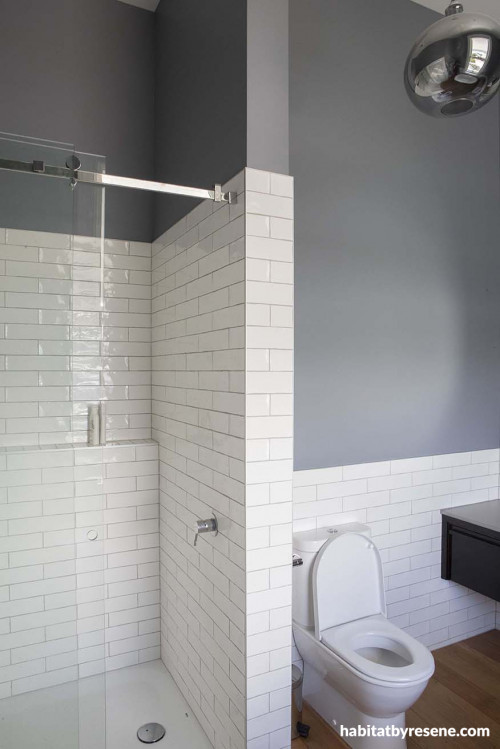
x=470 y=551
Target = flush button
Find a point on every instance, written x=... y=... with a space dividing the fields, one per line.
x=92 y=535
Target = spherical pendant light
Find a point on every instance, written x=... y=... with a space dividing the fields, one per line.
x=454 y=66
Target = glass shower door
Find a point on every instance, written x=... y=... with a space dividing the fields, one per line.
x=88 y=395
x=52 y=682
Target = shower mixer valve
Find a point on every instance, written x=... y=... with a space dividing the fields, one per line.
x=206 y=526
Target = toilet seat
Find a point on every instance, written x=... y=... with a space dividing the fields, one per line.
x=380 y=650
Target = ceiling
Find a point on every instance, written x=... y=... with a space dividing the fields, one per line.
x=146 y=4
x=489 y=7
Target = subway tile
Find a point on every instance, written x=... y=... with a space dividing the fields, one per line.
x=270 y=205
x=454 y=459
x=38 y=239
x=262 y=292
x=257 y=180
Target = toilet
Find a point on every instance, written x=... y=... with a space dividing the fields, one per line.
x=359 y=668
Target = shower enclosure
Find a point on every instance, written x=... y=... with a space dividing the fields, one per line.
x=79 y=553
x=115 y=615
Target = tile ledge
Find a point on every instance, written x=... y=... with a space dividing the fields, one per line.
x=77 y=446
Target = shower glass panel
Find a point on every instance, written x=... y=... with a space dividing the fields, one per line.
x=52 y=554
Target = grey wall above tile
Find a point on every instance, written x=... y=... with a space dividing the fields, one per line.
x=397 y=259
x=189 y=95
x=102 y=99
x=201 y=89
x=82 y=71
x=267 y=85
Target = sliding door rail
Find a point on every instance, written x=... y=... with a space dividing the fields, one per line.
x=74 y=176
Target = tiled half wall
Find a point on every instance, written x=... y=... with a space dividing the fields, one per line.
x=400 y=501
x=71 y=607
x=222 y=414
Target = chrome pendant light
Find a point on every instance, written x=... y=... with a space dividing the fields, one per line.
x=454 y=66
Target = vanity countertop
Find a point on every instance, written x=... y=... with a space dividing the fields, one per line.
x=482 y=514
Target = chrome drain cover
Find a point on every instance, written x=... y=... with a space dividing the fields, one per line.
x=150 y=733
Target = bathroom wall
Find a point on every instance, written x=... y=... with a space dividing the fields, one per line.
x=269 y=455
x=267 y=42
x=222 y=304
x=216 y=126
x=70 y=607
x=60 y=349
x=397 y=305
x=82 y=71
x=397 y=283
x=200 y=101
x=179 y=95
x=198 y=421
x=400 y=500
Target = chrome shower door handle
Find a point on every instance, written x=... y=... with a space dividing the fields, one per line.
x=206 y=526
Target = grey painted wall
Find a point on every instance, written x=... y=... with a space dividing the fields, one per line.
x=82 y=71
x=267 y=84
x=200 y=97
x=397 y=255
x=160 y=95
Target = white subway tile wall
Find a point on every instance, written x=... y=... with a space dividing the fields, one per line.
x=71 y=607
x=75 y=327
x=269 y=456
x=400 y=500
x=198 y=420
x=224 y=425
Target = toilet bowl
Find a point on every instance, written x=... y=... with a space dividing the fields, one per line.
x=359 y=668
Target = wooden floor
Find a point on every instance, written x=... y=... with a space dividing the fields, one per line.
x=464 y=692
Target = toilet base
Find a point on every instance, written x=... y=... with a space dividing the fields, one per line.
x=337 y=711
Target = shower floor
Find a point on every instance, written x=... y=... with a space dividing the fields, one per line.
x=101 y=713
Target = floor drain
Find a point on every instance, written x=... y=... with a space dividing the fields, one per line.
x=150 y=733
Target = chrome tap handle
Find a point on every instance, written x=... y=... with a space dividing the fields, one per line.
x=206 y=526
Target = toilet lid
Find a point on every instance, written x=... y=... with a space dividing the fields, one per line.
x=347 y=581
